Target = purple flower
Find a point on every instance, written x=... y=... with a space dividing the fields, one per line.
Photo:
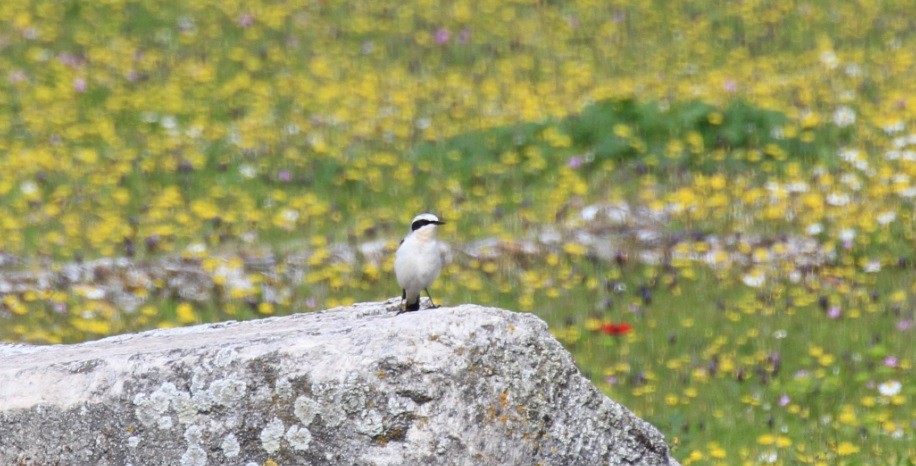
x=891 y=361
x=464 y=36
x=285 y=176
x=245 y=20
x=784 y=400
x=904 y=325
x=731 y=86
x=443 y=36
x=17 y=76
x=80 y=85
x=70 y=59
x=611 y=380
x=834 y=312
x=574 y=162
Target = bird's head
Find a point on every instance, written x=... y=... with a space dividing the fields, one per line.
x=425 y=222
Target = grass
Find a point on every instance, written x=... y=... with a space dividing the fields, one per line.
x=756 y=303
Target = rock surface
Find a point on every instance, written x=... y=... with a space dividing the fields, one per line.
x=354 y=385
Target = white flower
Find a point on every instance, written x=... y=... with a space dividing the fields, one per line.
x=196 y=248
x=798 y=187
x=852 y=181
x=755 y=279
x=769 y=457
x=890 y=388
x=853 y=70
x=28 y=187
x=248 y=171
x=814 y=229
x=829 y=59
x=848 y=234
x=844 y=116
x=892 y=128
x=168 y=122
x=423 y=123
x=873 y=266
x=838 y=199
x=849 y=154
x=290 y=215
x=885 y=218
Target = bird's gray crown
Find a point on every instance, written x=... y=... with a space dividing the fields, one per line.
x=422 y=220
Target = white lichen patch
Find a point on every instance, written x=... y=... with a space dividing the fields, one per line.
x=184 y=408
x=370 y=423
x=353 y=400
x=398 y=405
x=150 y=409
x=226 y=392
x=198 y=380
x=164 y=423
x=271 y=436
x=225 y=357
x=192 y=435
x=230 y=446
x=194 y=456
x=133 y=441
x=306 y=409
x=283 y=388
x=299 y=437
x=332 y=414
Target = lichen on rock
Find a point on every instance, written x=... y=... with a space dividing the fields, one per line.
x=353 y=385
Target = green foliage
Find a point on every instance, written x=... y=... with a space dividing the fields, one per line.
x=624 y=130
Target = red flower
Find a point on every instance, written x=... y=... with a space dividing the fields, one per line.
x=612 y=328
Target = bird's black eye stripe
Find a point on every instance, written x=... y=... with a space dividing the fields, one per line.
x=422 y=223
x=419 y=224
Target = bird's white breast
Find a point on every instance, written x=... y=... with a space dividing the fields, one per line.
x=417 y=262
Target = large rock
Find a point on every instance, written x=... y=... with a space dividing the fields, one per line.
x=355 y=385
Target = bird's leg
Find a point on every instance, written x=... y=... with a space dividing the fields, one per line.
x=403 y=302
x=431 y=303
x=407 y=307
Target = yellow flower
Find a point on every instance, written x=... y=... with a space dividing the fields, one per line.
x=846 y=449
x=185 y=313
x=266 y=308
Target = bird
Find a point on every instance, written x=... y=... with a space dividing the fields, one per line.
x=418 y=261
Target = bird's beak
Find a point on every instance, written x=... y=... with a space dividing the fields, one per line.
x=439 y=222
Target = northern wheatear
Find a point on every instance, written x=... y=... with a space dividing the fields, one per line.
x=418 y=261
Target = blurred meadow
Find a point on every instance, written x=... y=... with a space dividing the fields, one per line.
x=711 y=203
